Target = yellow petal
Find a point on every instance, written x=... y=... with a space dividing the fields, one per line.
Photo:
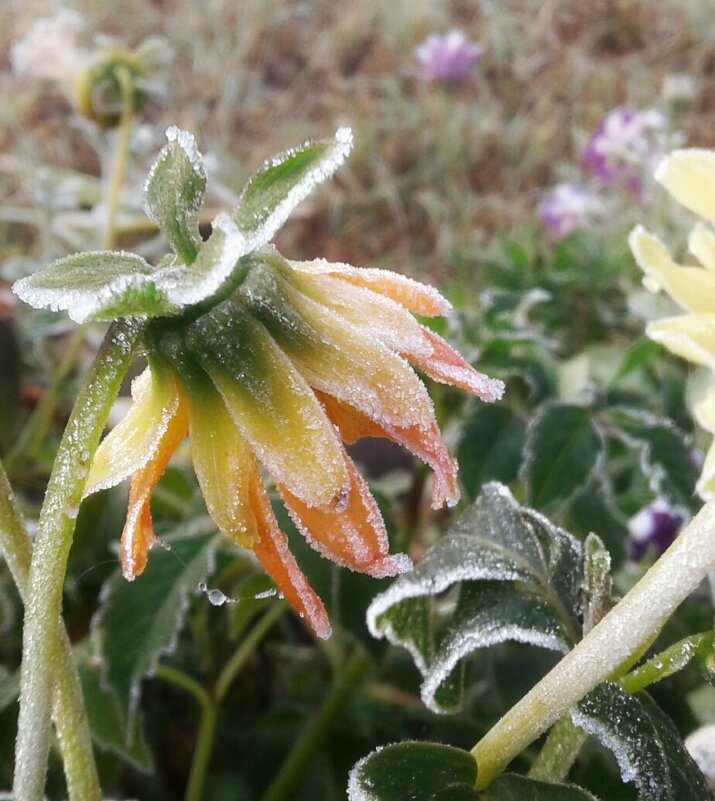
x=705 y=415
x=691 y=337
x=132 y=442
x=271 y=403
x=701 y=244
x=689 y=176
x=224 y=464
x=138 y=533
x=692 y=287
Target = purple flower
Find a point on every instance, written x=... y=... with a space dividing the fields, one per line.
x=448 y=58
x=567 y=207
x=653 y=529
x=626 y=145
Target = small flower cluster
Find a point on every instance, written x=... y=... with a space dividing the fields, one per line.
x=654 y=529
x=623 y=150
x=449 y=58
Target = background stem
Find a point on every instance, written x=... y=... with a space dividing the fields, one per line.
x=121 y=149
x=559 y=752
x=42 y=653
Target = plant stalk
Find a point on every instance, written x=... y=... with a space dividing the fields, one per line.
x=42 y=658
x=70 y=718
x=630 y=625
x=347 y=681
x=559 y=752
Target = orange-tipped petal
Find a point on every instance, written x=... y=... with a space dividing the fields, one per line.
x=271 y=403
x=138 y=533
x=224 y=464
x=272 y=551
x=425 y=443
x=413 y=295
x=133 y=441
x=353 y=536
x=448 y=367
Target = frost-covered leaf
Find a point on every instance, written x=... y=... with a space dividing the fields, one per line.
x=644 y=741
x=107 y=722
x=510 y=787
x=140 y=620
x=664 y=452
x=508 y=574
x=96 y=285
x=283 y=182
x=564 y=448
x=174 y=191
x=490 y=448
x=597 y=585
x=414 y=771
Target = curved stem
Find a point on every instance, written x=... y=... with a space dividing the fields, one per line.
x=41 y=657
x=70 y=718
x=347 y=681
x=121 y=148
x=559 y=752
x=621 y=633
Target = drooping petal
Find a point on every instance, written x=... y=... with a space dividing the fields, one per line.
x=701 y=243
x=271 y=549
x=425 y=443
x=133 y=441
x=138 y=533
x=692 y=287
x=690 y=336
x=334 y=356
x=689 y=176
x=445 y=365
x=354 y=535
x=271 y=403
x=417 y=297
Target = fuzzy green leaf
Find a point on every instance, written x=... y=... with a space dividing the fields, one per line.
x=517 y=578
x=510 y=787
x=644 y=741
x=415 y=771
x=564 y=448
x=174 y=192
x=140 y=620
x=97 y=285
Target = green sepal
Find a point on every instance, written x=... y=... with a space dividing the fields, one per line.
x=174 y=191
x=97 y=285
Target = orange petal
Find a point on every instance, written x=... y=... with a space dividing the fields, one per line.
x=413 y=295
x=448 y=367
x=273 y=553
x=138 y=533
x=425 y=443
x=354 y=536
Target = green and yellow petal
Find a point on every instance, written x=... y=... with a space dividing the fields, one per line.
x=690 y=336
x=701 y=243
x=134 y=440
x=689 y=176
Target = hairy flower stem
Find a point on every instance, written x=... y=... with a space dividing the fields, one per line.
x=348 y=679
x=121 y=148
x=559 y=752
x=72 y=727
x=624 y=631
x=42 y=652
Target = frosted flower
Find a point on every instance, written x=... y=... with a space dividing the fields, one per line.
x=267 y=364
x=689 y=176
x=626 y=145
x=448 y=58
x=568 y=207
x=653 y=529
x=51 y=51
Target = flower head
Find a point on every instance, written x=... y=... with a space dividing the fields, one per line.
x=448 y=58
x=267 y=364
x=654 y=529
x=625 y=146
x=568 y=207
x=689 y=175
